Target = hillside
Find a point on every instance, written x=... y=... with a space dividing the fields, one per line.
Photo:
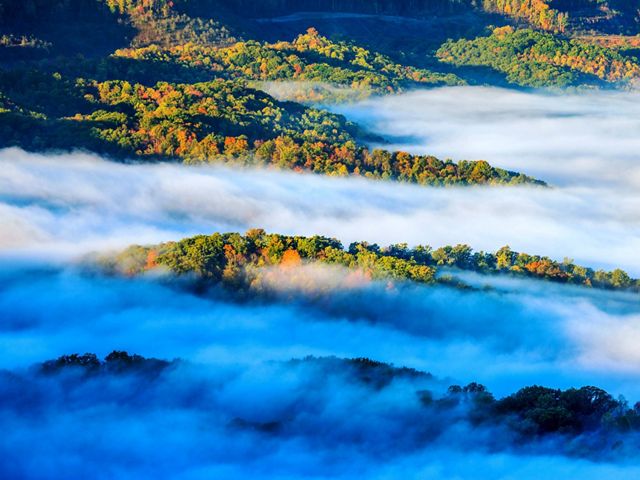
x=154 y=79
x=427 y=167
x=239 y=261
x=538 y=59
x=185 y=88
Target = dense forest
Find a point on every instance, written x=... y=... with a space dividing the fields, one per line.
x=238 y=261
x=537 y=59
x=537 y=12
x=310 y=57
x=186 y=80
x=188 y=97
x=216 y=121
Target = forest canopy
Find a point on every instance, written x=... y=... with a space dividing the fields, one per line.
x=209 y=122
x=531 y=413
x=189 y=81
x=536 y=59
x=236 y=260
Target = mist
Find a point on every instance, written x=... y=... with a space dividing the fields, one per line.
x=518 y=333
x=313 y=92
x=587 y=139
x=314 y=419
x=307 y=419
x=71 y=204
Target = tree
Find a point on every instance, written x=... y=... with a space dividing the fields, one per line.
x=291 y=258
x=505 y=258
x=620 y=279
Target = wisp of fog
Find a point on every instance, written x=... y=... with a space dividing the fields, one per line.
x=582 y=139
x=74 y=203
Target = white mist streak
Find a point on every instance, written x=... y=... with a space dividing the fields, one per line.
x=70 y=204
x=589 y=138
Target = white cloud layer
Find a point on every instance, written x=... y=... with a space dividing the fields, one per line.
x=71 y=204
x=582 y=139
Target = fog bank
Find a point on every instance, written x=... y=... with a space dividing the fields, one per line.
x=582 y=139
x=70 y=204
x=519 y=333
x=311 y=419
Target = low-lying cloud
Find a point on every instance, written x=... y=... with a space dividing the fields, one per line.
x=582 y=139
x=74 y=203
x=312 y=419
x=521 y=332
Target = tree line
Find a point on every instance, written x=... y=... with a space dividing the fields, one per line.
x=236 y=260
x=310 y=57
x=220 y=121
x=532 y=413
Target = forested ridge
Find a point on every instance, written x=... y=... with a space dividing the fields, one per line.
x=309 y=57
x=239 y=261
x=215 y=121
x=184 y=80
x=188 y=97
x=532 y=413
x=537 y=59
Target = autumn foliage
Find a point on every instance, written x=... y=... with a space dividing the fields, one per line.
x=239 y=261
x=536 y=12
x=538 y=59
